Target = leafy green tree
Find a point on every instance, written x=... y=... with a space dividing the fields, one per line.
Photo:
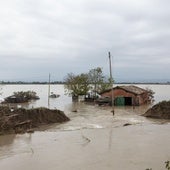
x=76 y=85
x=99 y=82
x=96 y=78
x=105 y=85
x=81 y=84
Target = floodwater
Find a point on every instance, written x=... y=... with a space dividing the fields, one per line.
x=94 y=139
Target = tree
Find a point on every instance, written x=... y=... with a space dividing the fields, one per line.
x=98 y=80
x=94 y=81
x=76 y=85
x=105 y=85
x=150 y=94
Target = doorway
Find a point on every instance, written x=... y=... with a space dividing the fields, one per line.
x=123 y=101
x=128 y=101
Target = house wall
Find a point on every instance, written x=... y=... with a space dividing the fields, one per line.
x=136 y=99
x=144 y=98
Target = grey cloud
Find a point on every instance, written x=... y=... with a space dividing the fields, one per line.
x=63 y=36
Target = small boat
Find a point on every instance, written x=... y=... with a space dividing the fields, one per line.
x=54 y=95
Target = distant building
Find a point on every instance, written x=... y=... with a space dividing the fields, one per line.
x=127 y=95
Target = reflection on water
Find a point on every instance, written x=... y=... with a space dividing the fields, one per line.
x=93 y=139
x=6 y=140
x=12 y=144
x=131 y=148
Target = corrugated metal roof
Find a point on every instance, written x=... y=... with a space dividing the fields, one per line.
x=132 y=89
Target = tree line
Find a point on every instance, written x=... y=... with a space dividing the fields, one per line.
x=31 y=82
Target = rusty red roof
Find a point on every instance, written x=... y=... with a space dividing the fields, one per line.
x=132 y=89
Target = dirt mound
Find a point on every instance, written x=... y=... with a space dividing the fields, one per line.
x=20 y=120
x=160 y=111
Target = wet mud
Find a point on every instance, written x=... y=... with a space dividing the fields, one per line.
x=13 y=120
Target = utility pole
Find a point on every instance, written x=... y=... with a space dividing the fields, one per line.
x=49 y=91
x=111 y=79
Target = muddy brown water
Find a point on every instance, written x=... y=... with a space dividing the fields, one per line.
x=94 y=139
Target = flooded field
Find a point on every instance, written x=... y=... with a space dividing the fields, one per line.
x=94 y=139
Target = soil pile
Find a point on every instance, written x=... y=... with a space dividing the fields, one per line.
x=160 y=111
x=22 y=120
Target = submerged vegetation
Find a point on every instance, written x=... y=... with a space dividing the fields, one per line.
x=167 y=166
x=150 y=94
x=21 y=97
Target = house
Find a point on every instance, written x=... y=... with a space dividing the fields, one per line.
x=127 y=95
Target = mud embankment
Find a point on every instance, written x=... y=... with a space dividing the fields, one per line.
x=22 y=120
x=159 y=111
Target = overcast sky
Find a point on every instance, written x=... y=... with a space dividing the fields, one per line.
x=38 y=37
